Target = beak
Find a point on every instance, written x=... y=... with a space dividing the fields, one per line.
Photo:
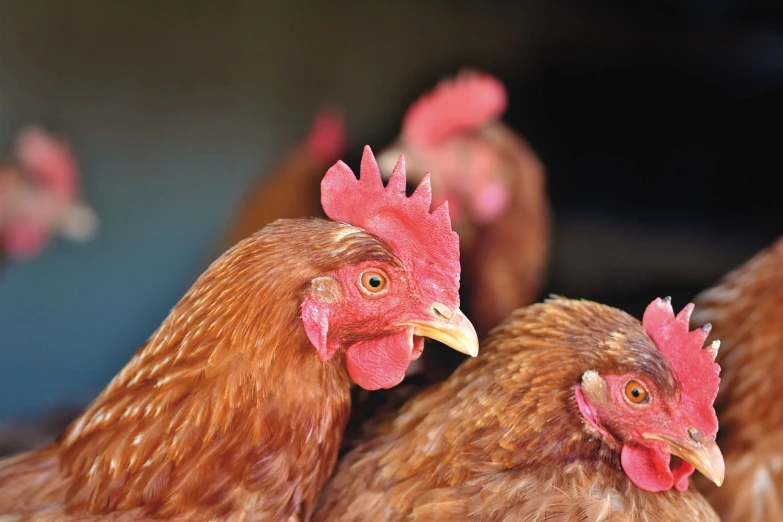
x=704 y=456
x=451 y=328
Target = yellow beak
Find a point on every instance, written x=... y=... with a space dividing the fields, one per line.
x=449 y=327
x=704 y=456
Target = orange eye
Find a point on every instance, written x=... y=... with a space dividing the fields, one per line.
x=635 y=393
x=373 y=282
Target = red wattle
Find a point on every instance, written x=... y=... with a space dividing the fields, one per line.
x=380 y=363
x=648 y=466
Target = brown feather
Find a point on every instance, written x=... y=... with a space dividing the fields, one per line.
x=502 y=438
x=744 y=310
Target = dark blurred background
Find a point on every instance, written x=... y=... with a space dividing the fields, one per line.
x=658 y=123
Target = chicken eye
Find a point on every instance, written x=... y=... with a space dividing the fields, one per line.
x=373 y=282
x=636 y=393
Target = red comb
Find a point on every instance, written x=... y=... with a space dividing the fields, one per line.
x=457 y=104
x=421 y=239
x=695 y=366
x=49 y=161
x=327 y=139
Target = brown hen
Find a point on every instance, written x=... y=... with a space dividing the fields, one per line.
x=571 y=413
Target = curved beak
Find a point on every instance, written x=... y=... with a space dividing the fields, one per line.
x=449 y=327
x=704 y=456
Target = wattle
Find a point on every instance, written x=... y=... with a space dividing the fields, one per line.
x=649 y=469
x=380 y=363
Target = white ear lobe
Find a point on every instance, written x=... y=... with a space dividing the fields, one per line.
x=595 y=387
x=326 y=289
x=590 y=376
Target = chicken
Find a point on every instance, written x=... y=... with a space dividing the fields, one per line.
x=495 y=186
x=234 y=408
x=572 y=412
x=745 y=310
x=290 y=191
x=40 y=196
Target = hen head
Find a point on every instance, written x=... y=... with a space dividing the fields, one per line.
x=660 y=409
x=442 y=130
x=399 y=298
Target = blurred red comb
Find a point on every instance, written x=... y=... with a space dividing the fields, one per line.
x=327 y=139
x=694 y=365
x=48 y=160
x=465 y=102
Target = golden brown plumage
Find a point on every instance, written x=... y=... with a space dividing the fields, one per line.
x=234 y=408
x=503 y=438
x=745 y=310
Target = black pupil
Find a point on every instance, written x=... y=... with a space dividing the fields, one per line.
x=636 y=393
x=375 y=281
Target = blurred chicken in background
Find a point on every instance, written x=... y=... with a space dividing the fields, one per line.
x=744 y=309
x=495 y=185
x=40 y=197
x=292 y=189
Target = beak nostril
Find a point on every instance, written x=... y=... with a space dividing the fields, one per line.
x=695 y=436
x=442 y=311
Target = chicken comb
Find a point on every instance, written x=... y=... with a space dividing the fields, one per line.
x=48 y=160
x=695 y=366
x=327 y=139
x=463 y=103
x=421 y=238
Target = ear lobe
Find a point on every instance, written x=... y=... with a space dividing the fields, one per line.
x=315 y=317
x=595 y=388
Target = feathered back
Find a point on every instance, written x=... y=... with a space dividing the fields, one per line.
x=424 y=240
x=463 y=103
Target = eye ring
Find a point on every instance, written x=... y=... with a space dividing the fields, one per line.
x=373 y=282
x=635 y=393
